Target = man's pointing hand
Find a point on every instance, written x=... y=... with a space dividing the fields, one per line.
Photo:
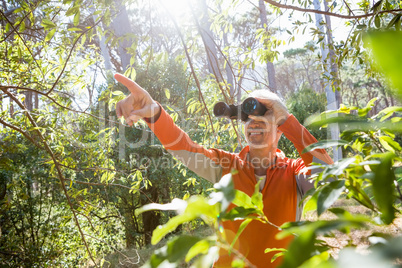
x=139 y=104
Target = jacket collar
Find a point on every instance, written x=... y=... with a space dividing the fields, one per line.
x=281 y=159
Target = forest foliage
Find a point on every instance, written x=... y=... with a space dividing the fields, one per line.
x=77 y=184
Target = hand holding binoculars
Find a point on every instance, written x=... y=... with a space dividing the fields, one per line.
x=250 y=106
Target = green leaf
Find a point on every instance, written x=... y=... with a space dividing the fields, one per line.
x=170 y=226
x=132 y=60
x=73 y=10
x=383 y=187
x=328 y=195
x=237 y=263
x=364 y=111
x=117 y=93
x=387 y=51
x=276 y=256
x=338 y=167
x=389 y=144
x=133 y=74
x=311 y=204
x=177 y=248
x=167 y=93
x=242 y=200
x=48 y=24
x=324 y=144
x=377 y=21
x=377 y=6
x=319 y=261
x=173 y=252
x=295 y=256
x=76 y=20
x=50 y=35
x=256 y=198
x=389 y=111
x=201 y=247
x=22 y=26
x=74 y=29
x=238 y=213
x=242 y=226
x=394 y=20
x=194 y=207
x=267 y=250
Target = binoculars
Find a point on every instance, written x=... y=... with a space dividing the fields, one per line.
x=250 y=106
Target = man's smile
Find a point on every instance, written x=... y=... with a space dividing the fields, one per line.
x=254 y=132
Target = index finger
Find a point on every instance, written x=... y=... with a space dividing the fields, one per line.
x=132 y=86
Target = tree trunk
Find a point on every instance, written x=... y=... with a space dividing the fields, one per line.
x=121 y=27
x=129 y=229
x=209 y=43
x=28 y=100
x=229 y=76
x=332 y=58
x=103 y=48
x=269 y=65
x=150 y=219
x=332 y=102
x=36 y=100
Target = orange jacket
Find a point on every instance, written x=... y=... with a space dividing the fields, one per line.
x=285 y=184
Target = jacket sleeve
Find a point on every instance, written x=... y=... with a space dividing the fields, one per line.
x=301 y=138
x=206 y=163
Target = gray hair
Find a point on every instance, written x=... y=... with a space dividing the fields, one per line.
x=266 y=94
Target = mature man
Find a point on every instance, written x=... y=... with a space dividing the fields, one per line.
x=284 y=180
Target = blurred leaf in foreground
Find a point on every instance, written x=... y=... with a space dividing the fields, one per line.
x=387 y=51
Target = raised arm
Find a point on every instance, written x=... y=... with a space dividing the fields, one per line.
x=140 y=105
x=277 y=113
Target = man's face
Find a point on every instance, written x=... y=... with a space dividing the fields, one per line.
x=261 y=134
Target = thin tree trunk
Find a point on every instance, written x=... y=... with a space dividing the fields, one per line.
x=121 y=26
x=150 y=219
x=332 y=58
x=28 y=100
x=209 y=43
x=331 y=96
x=229 y=75
x=103 y=48
x=269 y=65
x=36 y=100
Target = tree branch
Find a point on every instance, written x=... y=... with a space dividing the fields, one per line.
x=23 y=41
x=276 y=4
x=64 y=107
x=26 y=135
x=58 y=168
x=9 y=12
x=99 y=184
x=110 y=184
x=71 y=52
x=191 y=67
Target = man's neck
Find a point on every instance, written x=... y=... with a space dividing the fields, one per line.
x=262 y=159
